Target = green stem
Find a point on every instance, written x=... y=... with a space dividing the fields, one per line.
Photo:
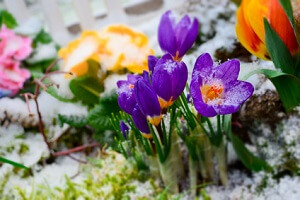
x=193 y=165
x=208 y=154
x=219 y=125
x=171 y=169
x=222 y=162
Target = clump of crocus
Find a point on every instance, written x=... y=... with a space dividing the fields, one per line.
x=13 y=49
x=128 y=103
x=216 y=90
x=250 y=26
x=104 y=48
x=177 y=38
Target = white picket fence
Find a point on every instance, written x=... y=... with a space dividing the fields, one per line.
x=115 y=13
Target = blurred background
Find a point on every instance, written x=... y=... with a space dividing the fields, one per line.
x=66 y=18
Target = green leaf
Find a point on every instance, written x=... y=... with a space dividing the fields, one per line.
x=87 y=89
x=7 y=19
x=279 y=53
x=237 y=2
x=251 y=161
x=287 y=7
x=4 y=160
x=53 y=92
x=74 y=121
x=99 y=116
x=42 y=37
x=288 y=87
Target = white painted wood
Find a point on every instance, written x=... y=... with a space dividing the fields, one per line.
x=85 y=14
x=18 y=9
x=115 y=11
x=55 y=21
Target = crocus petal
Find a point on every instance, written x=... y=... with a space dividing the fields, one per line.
x=126 y=99
x=247 y=35
x=281 y=24
x=227 y=71
x=140 y=121
x=201 y=107
x=166 y=35
x=152 y=60
x=189 y=38
x=169 y=78
x=203 y=66
x=133 y=78
x=146 y=99
x=236 y=94
x=124 y=129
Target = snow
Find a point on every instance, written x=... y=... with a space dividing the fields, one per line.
x=30 y=28
x=43 y=52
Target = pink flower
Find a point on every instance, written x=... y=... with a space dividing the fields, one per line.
x=13 y=49
x=12 y=77
x=14 y=46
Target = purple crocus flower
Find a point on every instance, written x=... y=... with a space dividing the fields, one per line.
x=140 y=122
x=125 y=90
x=124 y=128
x=216 y=90
x=177 y=39
x=152 y=60
x=169 y=79
x=147 y=101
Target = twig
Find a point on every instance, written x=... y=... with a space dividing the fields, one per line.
x=75 y=149
x=76 y=159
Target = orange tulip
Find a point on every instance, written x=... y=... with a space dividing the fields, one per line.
x=250 y=26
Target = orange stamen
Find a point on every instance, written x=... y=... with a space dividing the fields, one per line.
x=211 y=92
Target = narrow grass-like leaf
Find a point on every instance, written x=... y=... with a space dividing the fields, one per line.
x=15 y=164
x=74 y=121
x=278 y=51
x=251 y=161
x=288 y=87
x=288 y=9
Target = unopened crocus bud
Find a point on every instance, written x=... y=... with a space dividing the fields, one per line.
x=169 y=80
x=152 y=60
x=140 y=122
x=125 y=91
x=147 y=101
x=124 y=129
x=177 y=38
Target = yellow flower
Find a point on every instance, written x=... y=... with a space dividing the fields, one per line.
x=77 y=52
x=125 y=48
x=114 y=48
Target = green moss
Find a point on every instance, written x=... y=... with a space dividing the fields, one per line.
x=263 y=184
x=107 y=177
x=23 y=149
